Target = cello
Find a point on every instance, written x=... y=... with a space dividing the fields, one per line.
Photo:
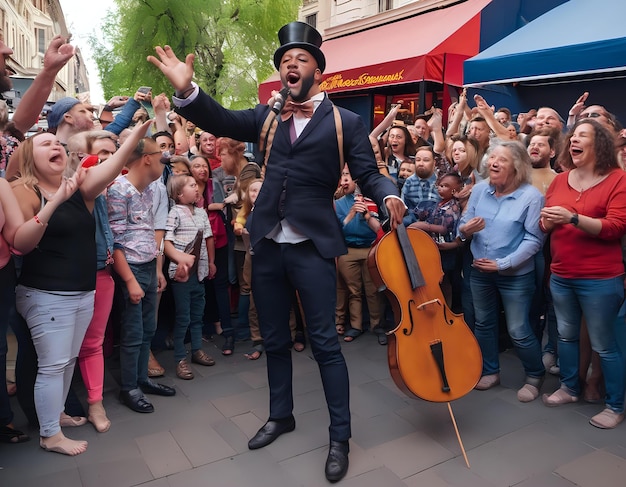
x=432 y=353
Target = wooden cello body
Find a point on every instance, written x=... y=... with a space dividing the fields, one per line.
x=432 y=353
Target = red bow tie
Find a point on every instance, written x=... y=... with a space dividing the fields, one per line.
x=305 y=109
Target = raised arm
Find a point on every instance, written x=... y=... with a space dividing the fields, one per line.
x=125 y=116
x=97 y=178
x=161 y=105
x=577 y=109
x=486 y=112
x=436 y=125
x=59 y=52
x=455 y=124
x=387 y=121
x=177 y=72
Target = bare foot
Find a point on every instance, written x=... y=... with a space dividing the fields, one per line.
x=71 y=421
x=98 y=417
x=59 y=443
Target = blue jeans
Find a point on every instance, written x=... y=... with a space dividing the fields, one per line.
x=599 y=300
x=516 y=293
x=138 y=324
x=189 y=305
x=467 y=302
x=219 y=286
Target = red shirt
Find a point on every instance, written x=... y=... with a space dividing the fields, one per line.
x=577 y=254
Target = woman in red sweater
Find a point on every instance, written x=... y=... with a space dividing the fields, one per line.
x=586 y=212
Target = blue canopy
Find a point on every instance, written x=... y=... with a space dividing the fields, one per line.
x=576 y=38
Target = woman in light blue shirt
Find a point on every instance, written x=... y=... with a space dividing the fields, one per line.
x=502 y=218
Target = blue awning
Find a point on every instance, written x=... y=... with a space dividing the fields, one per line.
x=576 y=38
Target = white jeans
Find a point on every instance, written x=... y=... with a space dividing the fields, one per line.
x=57 y=324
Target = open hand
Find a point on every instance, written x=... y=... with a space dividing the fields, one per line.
x=177 y=72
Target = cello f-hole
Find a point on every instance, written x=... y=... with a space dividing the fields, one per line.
x=408 y=332
x=445 y=316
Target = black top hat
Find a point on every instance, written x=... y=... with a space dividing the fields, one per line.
x=303 y=36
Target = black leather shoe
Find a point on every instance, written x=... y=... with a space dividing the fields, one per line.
x=337 y=461
x=151 y=387
x=136 y=401
x=270 y=431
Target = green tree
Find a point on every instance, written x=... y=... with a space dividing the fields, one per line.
x=233 y=40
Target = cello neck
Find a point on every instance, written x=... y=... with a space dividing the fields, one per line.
x=412 y=266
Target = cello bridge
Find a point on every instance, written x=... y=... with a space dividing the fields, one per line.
x=427 y=303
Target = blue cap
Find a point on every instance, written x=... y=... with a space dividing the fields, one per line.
x=60 y=108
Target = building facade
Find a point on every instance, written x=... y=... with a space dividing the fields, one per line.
x=28 y=26
x=382 y=52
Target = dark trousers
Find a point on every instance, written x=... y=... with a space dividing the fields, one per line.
x=138 y=326
x=277 y=271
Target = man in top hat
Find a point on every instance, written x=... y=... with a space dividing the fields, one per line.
x=295 y=235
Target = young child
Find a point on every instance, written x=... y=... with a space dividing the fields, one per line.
x=441 y=224
x=239 y=228
x=189 y=245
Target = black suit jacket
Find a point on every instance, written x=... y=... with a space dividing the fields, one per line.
x=308 y=169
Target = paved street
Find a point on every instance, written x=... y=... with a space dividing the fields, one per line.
x=199 y=437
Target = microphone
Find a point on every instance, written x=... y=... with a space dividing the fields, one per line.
x=279 y=100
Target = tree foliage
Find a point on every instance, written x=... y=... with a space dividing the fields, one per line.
x=233 y=40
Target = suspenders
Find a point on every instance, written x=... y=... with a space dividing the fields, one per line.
x=269 y=130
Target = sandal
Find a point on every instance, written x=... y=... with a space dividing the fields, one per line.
x=154 y=368
x=255 y=353
x=352 y=334
x=299 y=342
x=229 y=346
x=340 y=329
x=11 y=435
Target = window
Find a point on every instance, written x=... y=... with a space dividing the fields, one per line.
x=384 y=5
x=40 y=35
x=311 y=20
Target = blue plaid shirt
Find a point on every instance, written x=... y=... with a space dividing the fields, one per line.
x=421 y=198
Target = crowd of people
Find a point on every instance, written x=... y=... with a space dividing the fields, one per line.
x=534 y=233
x=143 y=229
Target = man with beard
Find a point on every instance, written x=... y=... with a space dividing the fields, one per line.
x=5 y=82
x=541 y=151
x=295 y=235
x=68 y=117
x=419 y=192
